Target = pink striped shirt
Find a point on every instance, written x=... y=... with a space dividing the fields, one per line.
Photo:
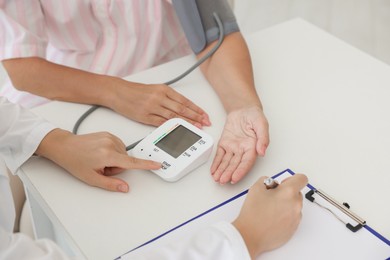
x=112 y=37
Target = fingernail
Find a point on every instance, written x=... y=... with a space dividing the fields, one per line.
x=198 y=125
x=123 y=188
x=206 y=122
x=157 y=165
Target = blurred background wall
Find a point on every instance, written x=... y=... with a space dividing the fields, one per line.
x=362 y=23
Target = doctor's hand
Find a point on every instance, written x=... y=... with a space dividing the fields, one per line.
x=92 y=158
x=153 y=104
x=245 y=136
x=269 y=218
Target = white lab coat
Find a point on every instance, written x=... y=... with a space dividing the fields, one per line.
x=20 y=134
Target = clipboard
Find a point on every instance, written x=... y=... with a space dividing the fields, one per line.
x=328 y=229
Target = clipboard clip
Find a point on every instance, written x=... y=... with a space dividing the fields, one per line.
x=342 y=207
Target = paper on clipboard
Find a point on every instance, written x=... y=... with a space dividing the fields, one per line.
x=319 y=236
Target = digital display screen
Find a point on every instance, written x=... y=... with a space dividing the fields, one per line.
x=177 y=141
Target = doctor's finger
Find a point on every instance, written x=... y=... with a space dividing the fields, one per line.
x=118 y=144
x=107 y=183
x=127 y=162
x=110 y=171
x=297 y=182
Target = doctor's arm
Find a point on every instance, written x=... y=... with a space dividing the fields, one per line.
x=267 y=220
x=93 y=158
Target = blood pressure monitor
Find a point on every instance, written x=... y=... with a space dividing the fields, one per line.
x=178 y=145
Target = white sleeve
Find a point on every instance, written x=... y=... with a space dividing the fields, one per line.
x=20 y=133
x=20 y=246
x=220 y=241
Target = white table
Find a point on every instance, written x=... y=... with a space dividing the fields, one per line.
x=328 y=109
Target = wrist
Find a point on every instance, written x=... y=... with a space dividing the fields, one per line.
x=234 y=104
x=248 y=239
x=245 y=109
x=107 y=88
x=51 y=145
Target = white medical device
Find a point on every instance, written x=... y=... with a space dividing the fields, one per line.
x=178 y=145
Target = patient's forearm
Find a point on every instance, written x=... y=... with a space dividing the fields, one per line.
x=57 y=82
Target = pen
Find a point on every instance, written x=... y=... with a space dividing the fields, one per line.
x=270 y=183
